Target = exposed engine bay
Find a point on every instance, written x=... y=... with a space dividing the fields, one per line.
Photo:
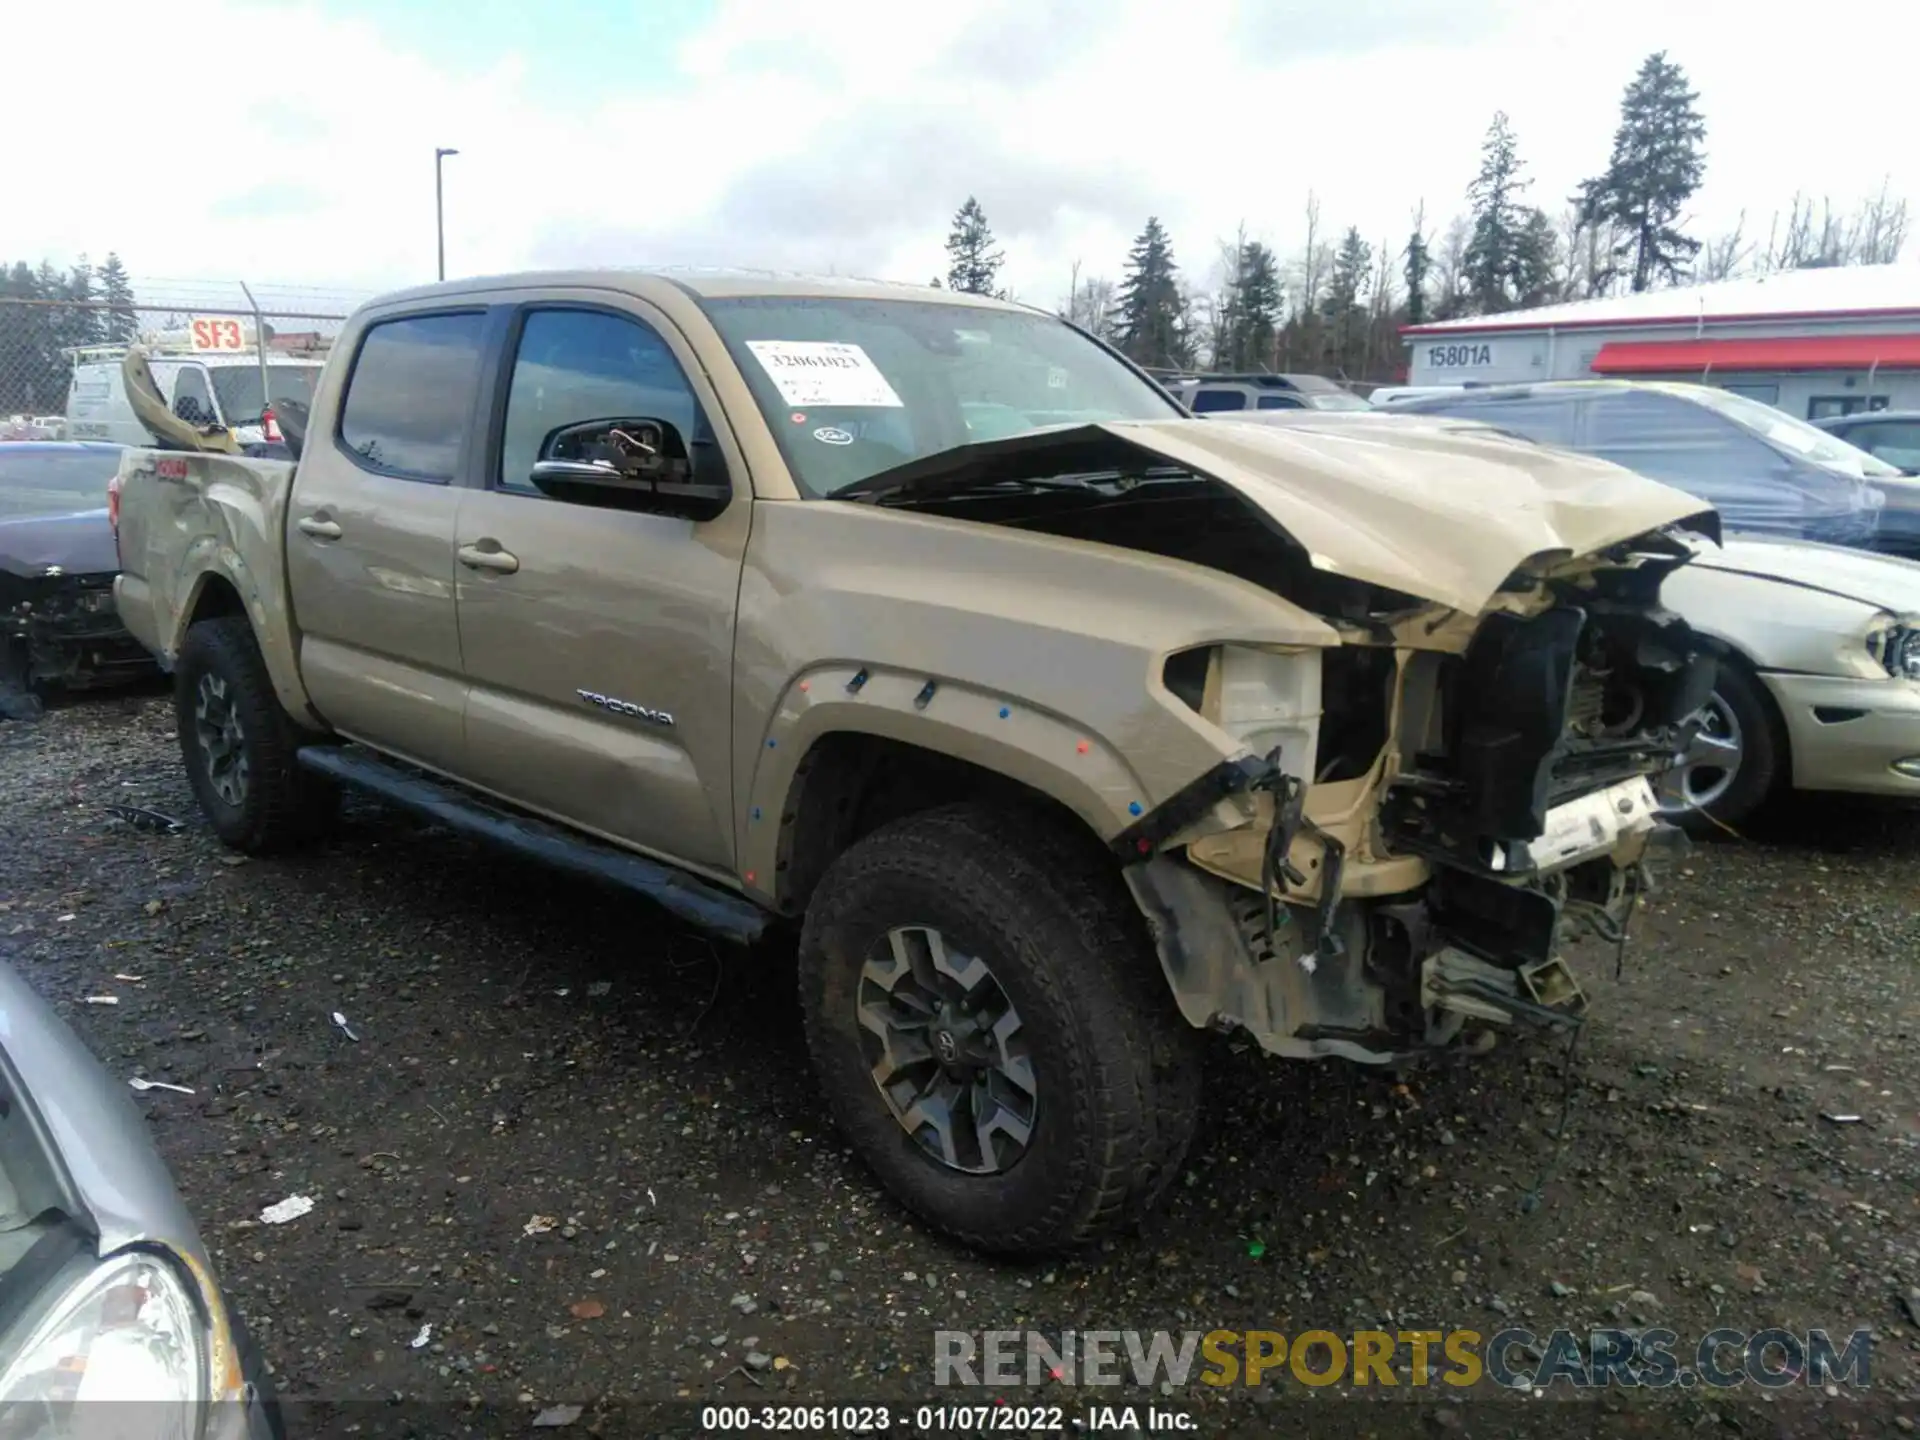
x=1422 y=810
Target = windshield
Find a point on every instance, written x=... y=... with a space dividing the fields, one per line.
x=238 y=388
x=54 y=482
x=1796 y=437
x=1341 y=401
x=854 y=387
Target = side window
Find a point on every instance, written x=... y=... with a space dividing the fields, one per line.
x=192 y=397
x=411 y=394
x=1280 y=402
x=1666 y=438
x=1206 y=400
x=574 y=366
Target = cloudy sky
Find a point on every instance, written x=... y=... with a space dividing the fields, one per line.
x=292 y=143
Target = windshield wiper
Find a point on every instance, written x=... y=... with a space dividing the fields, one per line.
x=877 y=488
x=1095 y=484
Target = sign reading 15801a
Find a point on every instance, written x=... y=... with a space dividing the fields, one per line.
x=1459 y=356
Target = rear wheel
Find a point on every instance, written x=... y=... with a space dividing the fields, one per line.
x=1734 y=763
x=992 y=1031
x=238 y=745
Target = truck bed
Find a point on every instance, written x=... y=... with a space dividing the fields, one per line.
x=206 y=534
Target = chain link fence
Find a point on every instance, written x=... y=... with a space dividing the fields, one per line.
x=221 y=352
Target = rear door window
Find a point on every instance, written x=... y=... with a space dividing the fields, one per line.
x=410 y=398
x=1213 y=400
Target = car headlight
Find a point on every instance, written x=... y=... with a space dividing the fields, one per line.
x=129 y=1329
x=1897 y=647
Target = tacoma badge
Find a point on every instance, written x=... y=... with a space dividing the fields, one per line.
x=626 y=707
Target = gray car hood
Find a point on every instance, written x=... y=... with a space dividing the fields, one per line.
x=1884 y=581
x=97 y=1134
x=79 y=544
x=1440 y=511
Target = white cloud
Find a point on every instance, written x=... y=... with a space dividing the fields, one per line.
x=838 y=135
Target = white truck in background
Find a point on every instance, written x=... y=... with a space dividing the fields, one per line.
x=210 y=374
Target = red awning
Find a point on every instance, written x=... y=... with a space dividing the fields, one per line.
x=1787 y=352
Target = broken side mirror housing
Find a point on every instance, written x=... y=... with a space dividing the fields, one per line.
x=632 y=463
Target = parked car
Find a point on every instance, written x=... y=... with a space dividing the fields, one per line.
x=1765 y=471
x=1059 y=748
x=1892 y=436
x=1205 y=394
x=109 y=1294
x=1820 y=686
x=58 y=628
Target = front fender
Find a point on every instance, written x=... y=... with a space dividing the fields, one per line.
x=1070 y=763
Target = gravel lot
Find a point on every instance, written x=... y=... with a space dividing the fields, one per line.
x=528 y=1046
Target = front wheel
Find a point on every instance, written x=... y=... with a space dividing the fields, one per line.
x=992 y=1031
x=1735 y=762
x=238 y=746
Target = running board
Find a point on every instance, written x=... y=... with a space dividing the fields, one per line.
x=699 y=902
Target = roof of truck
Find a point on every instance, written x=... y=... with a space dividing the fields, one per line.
x=708 y=284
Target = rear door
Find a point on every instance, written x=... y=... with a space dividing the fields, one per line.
x=598 y=642
x=370 y=537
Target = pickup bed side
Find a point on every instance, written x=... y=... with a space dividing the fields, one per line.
x=205 y=535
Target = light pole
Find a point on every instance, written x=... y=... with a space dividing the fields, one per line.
x=439 y=208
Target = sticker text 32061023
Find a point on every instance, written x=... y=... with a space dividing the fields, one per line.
x=823 y=372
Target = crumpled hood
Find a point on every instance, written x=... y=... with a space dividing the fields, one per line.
x=1884 y=581
x=80 y=544
x=1432 y=509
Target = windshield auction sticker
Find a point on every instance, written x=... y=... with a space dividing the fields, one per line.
x=823 y=372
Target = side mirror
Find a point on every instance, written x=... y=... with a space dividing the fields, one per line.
x=630 y=463
x=189 y=409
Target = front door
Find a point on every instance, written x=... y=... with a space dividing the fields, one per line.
x=598 y=643
x=370 y=540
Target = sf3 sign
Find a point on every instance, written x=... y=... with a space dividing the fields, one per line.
x=217 y=333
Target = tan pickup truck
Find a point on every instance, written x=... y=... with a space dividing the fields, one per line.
x=1066 y=726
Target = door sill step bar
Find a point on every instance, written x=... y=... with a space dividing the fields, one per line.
x=699 y=902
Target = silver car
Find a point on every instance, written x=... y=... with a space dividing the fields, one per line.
x=111 y=1322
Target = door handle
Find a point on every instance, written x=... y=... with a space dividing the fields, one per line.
x=319 y=529
x=500 y=561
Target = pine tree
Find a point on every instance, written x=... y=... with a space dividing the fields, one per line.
x=1418 y=264
x=80 y=325
x=120 y=324
x=1345 y=320
x=1656 y=166
x=1152 y=322
x=1255 y=322
x=1494 y=256
x=1536 y=262
x=972 y=262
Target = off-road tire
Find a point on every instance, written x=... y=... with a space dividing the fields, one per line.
x=1118 y=1069
x=1764 y=759
x=283 y=806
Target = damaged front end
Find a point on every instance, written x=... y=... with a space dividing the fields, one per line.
x=1426 y=812
x=62 y=631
